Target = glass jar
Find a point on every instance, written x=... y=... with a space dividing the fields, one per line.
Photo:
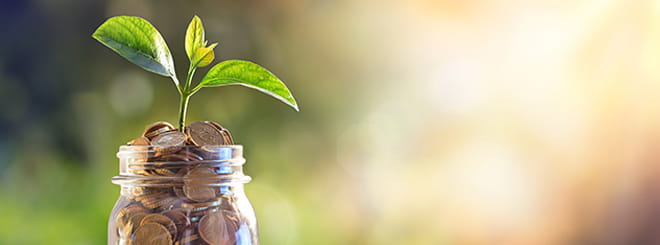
x=182 y=195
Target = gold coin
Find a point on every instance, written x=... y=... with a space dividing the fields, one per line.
x=157 y=128
x=169 y=139
x=203 y=133
x=151 y=234
x=140 y=141
x=194 y=189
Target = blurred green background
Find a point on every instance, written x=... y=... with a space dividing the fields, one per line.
x=421 y=122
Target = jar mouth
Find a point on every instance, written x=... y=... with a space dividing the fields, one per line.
x=163 y=181
x=226 y=153
x=175 y=165
x=141 y=148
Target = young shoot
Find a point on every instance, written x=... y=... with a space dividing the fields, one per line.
x=138 y=41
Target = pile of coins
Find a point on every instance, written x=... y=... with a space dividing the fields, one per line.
x=188 y=211
x=163 y=134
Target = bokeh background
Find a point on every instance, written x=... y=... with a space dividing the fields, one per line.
x=421 y=122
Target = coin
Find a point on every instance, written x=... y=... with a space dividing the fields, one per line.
x=133 y=222
x=178 y=191
x=215 y=124
x=141 y=193
x=157 y=128
x=196 y=214
x=140 y=141
x=201 y=205
x=192 y=156
x=152 y=234
x=140 y=153
x=204 y=133
x=188 y=236
x=213 y=230
x=159 y=152
x=141 y=172
x=194 y=189
x=198 y=193
x=163 y=172
x=226 y=136
x=151 y=197
x=160 y=202
x=169 y=139
x=179 y=218
x=130 y=210
x=233 y=224
x=163 y=220
x=126 y=216
x=136 y=218
x=184 y=156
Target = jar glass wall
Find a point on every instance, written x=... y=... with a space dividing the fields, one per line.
x=182 y=195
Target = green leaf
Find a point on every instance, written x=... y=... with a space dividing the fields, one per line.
x=204 y=56
x=138 y=41
x=194 y=37
x=251 y=75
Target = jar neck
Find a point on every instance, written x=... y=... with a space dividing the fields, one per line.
x=148 y=191
x=178 y=166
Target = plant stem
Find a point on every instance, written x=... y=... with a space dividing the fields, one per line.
x=191 y=72
x=183 y=107
x=185 y=96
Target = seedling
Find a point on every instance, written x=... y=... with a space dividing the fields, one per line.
x=138 y=41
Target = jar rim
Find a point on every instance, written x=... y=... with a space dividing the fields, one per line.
x=152 y=165
x=155 y=147
x=227 y=152
x=164 y=181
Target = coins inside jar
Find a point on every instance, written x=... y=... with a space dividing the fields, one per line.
x=185 y=204
x=209 y=225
